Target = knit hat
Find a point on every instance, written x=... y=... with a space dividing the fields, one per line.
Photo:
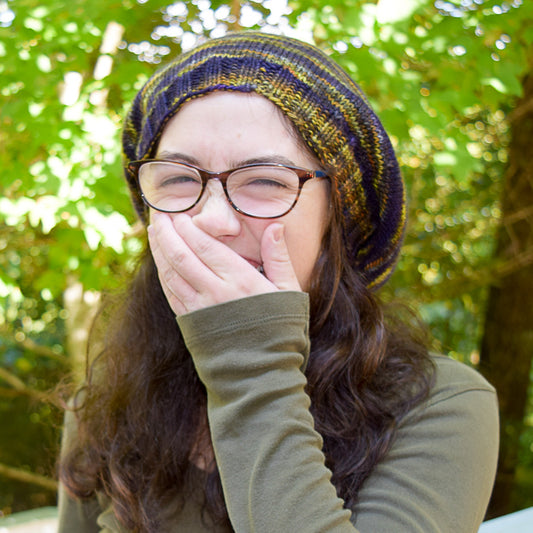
x=327 y=108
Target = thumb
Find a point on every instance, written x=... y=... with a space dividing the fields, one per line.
x=276 y=260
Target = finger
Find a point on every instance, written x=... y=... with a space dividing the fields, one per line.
x=197 y=269
x=180 y=259
x=235 y=277
x=221 y=260
x=276 y=260
x=177 y=291
x=173 y=298
x=163 y=273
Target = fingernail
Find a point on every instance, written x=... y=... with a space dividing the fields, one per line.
x=277 y=234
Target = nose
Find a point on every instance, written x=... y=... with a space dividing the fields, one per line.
x=214 y=214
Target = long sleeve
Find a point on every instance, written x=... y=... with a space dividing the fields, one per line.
x=92 y=515
x=250 y=353
x=436 y=478
x=267 y=451
x=75 y=515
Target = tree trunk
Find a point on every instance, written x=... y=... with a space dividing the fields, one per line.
x=235 y=11
x=81 y=307
x=507 y=345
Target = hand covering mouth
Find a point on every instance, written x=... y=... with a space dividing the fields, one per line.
x=256 y=265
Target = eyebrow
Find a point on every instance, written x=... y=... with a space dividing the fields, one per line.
x=273 y=158
x=177 y=156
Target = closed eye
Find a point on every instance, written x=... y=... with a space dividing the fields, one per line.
x=265 y=182
x=178 y=180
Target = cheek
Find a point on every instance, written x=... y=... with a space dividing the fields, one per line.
x=304 y=244
x=304 y=254
x=304 y=231
x=254 y=227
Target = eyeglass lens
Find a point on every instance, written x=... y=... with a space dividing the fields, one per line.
x=263 y=191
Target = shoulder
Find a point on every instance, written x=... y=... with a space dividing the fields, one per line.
x=439 y=472
x=461 y=403
x=453 y=378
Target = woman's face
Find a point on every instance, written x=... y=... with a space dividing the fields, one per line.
x=224 y=130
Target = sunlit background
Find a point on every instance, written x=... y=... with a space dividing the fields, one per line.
x=446 y=79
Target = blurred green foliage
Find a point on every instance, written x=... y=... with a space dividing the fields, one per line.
x=443 y=76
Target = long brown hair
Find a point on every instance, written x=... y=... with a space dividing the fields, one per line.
x=142 y=410
x=143 y=404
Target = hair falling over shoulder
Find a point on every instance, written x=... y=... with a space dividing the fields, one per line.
x=143 y=407
x=140 y=408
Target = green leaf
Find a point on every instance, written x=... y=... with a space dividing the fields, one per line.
x=390 y=11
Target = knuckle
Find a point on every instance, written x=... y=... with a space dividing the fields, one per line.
x=177 y=258
x=202 y=246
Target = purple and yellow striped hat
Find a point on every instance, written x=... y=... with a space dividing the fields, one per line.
x=327 y=108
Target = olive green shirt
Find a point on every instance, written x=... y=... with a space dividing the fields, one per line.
x=250 y=353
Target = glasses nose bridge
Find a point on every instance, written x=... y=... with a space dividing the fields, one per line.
x=222 y=177
x=209 y=175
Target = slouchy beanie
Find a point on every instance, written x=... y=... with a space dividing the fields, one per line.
x=327 y=108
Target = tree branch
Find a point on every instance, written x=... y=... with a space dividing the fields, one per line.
x=18 y=474
x=13 y=380
x=19 y=388
x=7 y=392
x=520 y=111
x=44 y=351
x=521 y=214
x=520 y=260
x=40 y=350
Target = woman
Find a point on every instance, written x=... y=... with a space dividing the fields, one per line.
x=249 y=379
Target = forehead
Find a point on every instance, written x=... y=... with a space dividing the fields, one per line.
x=230 y=106
x=236 y=121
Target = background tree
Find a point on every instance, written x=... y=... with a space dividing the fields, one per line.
x=507 y=344
x=445 y=77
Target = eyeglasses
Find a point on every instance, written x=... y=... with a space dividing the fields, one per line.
x=264 y=190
